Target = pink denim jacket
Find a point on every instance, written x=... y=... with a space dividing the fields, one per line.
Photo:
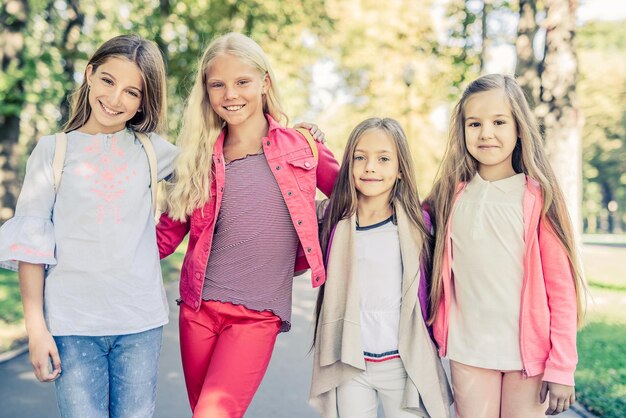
x=548 y=312
x=298 y=175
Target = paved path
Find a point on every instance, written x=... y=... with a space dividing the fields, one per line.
x=282 y=394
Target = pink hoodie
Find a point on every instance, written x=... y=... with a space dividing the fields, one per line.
x=548 y=313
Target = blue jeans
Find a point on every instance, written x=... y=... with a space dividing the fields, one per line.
x=108 y=376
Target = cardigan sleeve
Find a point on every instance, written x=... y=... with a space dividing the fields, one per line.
x=563 y=307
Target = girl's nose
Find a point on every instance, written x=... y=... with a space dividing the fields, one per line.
x=486 y=132
x=231 y=92
x=115 y=98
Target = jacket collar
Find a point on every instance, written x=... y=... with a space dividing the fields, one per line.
x=218 y=148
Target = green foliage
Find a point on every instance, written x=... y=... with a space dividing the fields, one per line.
x=10 y=300
x=602 y=94
x=601 y=374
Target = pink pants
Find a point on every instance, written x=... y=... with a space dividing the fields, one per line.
x=225 y=351
x=486 y=393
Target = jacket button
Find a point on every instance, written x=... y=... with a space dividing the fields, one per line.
x=218 y=160
x=308 y=250
x=196 y=304
x=268 y=143
x=299 y=222
x=197 y=274
x=317 y=279
x=307 y=165
x=289 y=193
x=277 y=167
x=221 y=189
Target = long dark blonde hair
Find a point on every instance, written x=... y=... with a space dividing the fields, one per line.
x=458 y=166
x=147 y=56
x=343 y=202
x=190 y=186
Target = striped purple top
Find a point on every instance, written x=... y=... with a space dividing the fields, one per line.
x=254 y=244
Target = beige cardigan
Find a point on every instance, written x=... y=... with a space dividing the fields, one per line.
x=338 y=352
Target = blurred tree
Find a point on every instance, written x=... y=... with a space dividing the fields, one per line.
x=14 y=19
x=602 y=89
x=555 y=101
x=387 y=61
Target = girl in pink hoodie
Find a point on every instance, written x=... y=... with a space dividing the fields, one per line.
x=506 y=280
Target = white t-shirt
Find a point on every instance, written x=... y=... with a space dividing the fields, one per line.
x=487 y=264
x=379 y=267
x=97 y=234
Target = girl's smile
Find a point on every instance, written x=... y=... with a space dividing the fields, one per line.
x=115 y=95
x=236 y=89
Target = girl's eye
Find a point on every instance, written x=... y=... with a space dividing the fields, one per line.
x=473 y=124
x=107 y=81
x=385 y=159
x=242 y=82
x=499 y=122
x=133 y=93
x=359 y=158
x=215 y=85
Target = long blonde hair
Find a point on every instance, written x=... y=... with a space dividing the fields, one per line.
x=147 y=56
x=343 y=202
x=190 y=187
x=458 y=166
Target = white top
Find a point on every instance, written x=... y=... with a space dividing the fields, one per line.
x=379 y=268
x=97 y=234
x=487 y=265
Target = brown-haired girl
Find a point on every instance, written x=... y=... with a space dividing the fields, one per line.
x=371 y=342
x=90 y=236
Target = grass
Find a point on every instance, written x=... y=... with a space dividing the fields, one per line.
x=10 y=301
x=601 y=371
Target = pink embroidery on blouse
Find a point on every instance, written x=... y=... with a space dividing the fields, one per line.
x=17 y=248
x=108 y=177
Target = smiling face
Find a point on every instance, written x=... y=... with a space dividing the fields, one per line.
x=236 y=89
x=375 y=166
x=490 y=133
x=115 y=95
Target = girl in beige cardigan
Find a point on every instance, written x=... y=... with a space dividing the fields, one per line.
x=375 y=191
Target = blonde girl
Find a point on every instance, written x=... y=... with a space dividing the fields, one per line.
x=371 y=342
x=506 y=281
x=92 y=242
x=244 y=190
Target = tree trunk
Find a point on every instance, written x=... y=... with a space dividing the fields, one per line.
x=527 y=69
x=68 y=47
x=550 y=86
x=558 y=108
x=13 y=21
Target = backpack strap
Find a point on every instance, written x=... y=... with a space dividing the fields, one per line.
x=309 y=138
x=152 y=162
x=60 y=147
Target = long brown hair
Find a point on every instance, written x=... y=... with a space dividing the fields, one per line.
x=458 y=166
x=147 y=56
x=344 y=200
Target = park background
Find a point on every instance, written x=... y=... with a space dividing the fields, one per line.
x=338 y=62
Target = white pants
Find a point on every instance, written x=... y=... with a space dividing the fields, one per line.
x=358 y=398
